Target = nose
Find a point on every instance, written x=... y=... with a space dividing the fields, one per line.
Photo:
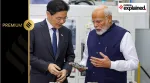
x=95 y=24
x=62 y=21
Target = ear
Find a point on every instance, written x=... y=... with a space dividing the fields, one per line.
x=109 y=18
x=48 y=13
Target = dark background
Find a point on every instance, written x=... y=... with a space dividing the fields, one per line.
x=13 y=11
x=0 y=41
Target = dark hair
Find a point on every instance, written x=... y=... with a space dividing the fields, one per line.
x=55 y=6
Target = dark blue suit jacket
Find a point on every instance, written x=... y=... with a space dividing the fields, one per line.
x=41 y=53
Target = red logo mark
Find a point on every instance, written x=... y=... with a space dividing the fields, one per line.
x=121 y=7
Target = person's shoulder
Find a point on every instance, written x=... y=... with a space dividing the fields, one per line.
x=92 y=32
x=120 y=28
x=38 y=25
x=65 y=29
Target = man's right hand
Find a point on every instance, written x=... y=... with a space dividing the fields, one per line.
x=54 y=69
x=81 y=69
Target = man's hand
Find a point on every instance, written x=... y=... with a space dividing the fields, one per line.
x=97 y=62
x=54 y=69
x=81 y=69
x=62 y=76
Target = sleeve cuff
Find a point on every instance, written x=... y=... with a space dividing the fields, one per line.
x=113 y=65
x=67 y=74
x=81 y=63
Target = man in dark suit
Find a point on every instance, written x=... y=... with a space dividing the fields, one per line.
x=51 y=47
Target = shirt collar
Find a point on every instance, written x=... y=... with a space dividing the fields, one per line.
x=49 y=25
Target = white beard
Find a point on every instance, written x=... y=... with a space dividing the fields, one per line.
x=103 y=30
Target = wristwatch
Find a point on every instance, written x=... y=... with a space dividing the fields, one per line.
x=78 y=66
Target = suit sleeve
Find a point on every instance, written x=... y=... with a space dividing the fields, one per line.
x=35 y=62
x=70 y=55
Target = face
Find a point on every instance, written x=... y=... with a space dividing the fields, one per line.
x=58 y=19
x=101 y=22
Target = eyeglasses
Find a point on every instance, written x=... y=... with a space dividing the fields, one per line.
x=60 y=18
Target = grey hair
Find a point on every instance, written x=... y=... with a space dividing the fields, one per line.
x=107 y=12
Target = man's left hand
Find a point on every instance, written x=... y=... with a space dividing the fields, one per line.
x=62 y=76
x=97 y=62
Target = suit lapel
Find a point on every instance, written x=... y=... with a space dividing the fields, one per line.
x=61 y=41
x=47 y=38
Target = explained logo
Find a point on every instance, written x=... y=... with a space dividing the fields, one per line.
x=132 y=7
x=121 y=7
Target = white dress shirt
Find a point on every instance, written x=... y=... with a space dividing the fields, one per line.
x=128 y=50
x=51 y=32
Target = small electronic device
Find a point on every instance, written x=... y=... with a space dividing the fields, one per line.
x=78 y=66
